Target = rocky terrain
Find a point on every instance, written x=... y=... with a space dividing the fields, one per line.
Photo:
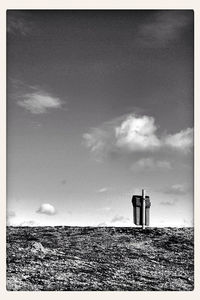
x=99 y=259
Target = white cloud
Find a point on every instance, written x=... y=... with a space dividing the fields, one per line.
x=164 y=28
x=103 y=224
x=29 y=223
x=151 y=164
x=98 y=140
x=176 y=189
x=103 y=190
x=18 y=25
x=135 y=133
x=105 y=209
x=39 y=102
x=163 y=164
x=11 y=214
x=188 y=223
x=9 y=217
x=130 y=133
x=46 y=209
x=182 y=140
x=119 y=218
x=168 y=202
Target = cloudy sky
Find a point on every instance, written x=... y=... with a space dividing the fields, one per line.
x=99 y=106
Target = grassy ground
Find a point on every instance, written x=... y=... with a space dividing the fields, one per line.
x=99 y=259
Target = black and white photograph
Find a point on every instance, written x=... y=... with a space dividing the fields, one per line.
x=100 y=150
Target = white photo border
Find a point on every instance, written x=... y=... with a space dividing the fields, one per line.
x=97 y=4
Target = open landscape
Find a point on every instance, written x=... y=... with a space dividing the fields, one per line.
x=99 y=259
x=99 y=132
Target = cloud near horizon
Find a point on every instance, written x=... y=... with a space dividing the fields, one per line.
x=46 y=209
x=30 y=223
x=119 y=218
x=39 y=102
x=102 y=224
x=11 y=214
x=105 y=209
x=135 y=133
x=9 y=217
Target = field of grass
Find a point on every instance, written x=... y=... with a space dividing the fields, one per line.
x=99 y=259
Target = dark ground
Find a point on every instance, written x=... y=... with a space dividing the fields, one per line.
x=99 y=259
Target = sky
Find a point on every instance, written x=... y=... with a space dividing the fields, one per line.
x=99 y=107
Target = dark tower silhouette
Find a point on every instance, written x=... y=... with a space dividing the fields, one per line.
x=141 y=209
